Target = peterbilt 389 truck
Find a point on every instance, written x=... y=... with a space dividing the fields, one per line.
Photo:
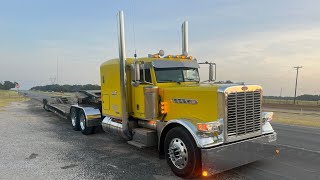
x=199 y=127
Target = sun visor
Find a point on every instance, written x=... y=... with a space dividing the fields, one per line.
x=174 y=64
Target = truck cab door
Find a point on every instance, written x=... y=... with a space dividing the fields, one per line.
x=138 y=95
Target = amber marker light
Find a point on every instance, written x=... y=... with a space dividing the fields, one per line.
x=205 y=173
x=156 y=56
x=164 y=108
x=202 y=127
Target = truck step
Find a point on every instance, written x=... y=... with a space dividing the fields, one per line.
x=143 y=137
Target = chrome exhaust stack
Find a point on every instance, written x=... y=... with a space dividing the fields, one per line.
x=185 y=38
x=110 y=124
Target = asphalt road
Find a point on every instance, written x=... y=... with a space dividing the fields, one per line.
x=36 y=144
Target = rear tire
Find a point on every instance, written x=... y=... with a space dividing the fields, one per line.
x=74 y=119
x=182 y=153
x=83 y=124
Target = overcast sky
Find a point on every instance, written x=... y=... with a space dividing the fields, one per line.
x=251 y=41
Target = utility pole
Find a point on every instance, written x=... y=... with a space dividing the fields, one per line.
x=57 y=70
x=295 y=90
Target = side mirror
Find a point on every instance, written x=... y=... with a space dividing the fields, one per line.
x=212 y=71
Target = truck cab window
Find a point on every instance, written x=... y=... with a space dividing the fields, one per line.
x=148 y=75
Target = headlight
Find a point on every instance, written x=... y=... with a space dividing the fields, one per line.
x=211 y=127
x=267 y=116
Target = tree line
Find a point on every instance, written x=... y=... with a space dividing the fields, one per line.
x=7 y=85
x=66 y=88
x=305 y=97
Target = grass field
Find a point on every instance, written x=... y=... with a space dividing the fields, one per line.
x=298 y=102
x=56 y=93
x=7 y=97
x=292 y=118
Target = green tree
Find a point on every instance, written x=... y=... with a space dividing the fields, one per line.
x=7 y=85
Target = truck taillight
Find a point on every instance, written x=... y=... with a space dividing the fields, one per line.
x=164 y=108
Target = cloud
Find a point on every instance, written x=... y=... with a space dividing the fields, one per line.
x=267 y=58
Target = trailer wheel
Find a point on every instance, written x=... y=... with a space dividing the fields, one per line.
x=45 y=106
x=182 y=153
x=74 y=119
x=83 y=124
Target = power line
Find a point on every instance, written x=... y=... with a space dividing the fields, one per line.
x=295 y=90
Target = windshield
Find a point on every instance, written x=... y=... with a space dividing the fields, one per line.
x=177 y=74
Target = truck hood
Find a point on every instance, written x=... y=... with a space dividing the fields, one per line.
x=198 y=102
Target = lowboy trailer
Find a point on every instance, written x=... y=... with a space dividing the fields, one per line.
x=200 y=128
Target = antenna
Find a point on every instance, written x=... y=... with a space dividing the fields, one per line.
x=134 y=33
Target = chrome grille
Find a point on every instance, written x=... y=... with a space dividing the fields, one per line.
x=243 y=113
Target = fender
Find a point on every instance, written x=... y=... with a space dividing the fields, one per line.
x=201 y=141
x=93 y=115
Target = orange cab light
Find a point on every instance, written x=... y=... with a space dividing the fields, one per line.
x=183 y=57
x=169 y=56
x=156 y=55
x=190 y=57
x=178 y=56
x=204 y=173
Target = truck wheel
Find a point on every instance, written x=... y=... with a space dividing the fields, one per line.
x=74 y=119
x=182 y=153
x=83 y=124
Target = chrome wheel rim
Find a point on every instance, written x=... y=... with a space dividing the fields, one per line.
x=73 y=118
x=82 y=121
x=178 y=153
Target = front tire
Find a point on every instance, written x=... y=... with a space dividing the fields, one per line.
x=182 y=153
x=83 y=124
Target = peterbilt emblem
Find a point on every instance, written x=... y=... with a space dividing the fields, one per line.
x=244 y=88
x=184 y=101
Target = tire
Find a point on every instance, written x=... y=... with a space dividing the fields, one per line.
x=45 y=106
x=83 y=124
x=184 y=156
x=74 y=119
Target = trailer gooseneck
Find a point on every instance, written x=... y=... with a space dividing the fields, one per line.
x=200 y=128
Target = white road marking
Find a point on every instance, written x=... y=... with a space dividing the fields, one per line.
x=298 y=148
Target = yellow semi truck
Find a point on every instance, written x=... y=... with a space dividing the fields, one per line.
x=200 y=128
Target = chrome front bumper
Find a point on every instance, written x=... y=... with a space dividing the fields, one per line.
x=225 y=157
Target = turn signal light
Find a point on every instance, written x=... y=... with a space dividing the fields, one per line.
x=204 y=173
x=164 y=108
x=213 y=127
